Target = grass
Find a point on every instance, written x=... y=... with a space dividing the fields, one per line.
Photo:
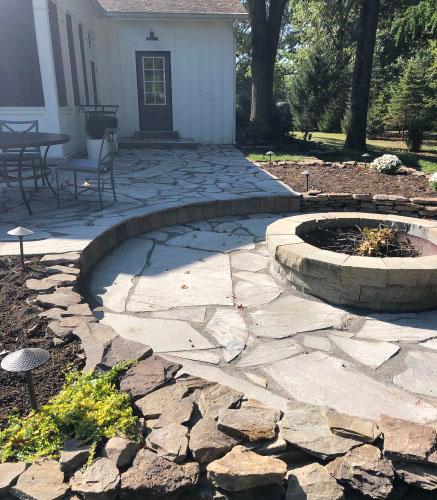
x=425 y=160
x=278 y=157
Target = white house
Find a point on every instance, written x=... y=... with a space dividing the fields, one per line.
x=168 y=64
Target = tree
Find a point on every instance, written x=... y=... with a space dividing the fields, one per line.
x=412 y=102
x=367 y=26
x=309 y=90
x=265 y=20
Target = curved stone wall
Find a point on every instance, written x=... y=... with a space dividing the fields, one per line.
x=381 y=284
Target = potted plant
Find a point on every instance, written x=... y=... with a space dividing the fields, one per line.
x=96 y=124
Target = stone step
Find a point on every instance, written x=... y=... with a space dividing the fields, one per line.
x=142 y=143
x=157 y=134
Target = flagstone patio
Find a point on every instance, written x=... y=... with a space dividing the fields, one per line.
x=202 y=294
x=147 y=181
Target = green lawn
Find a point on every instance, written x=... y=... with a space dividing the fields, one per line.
x=425 y=160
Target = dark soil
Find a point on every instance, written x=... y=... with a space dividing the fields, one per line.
x=356 y=179
x=348 y=241
x=20 y=326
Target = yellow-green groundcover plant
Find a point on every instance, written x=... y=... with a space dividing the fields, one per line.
x=88 y=408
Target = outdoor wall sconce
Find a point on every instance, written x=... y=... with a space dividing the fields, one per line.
x=24 y=361
x=152 y=37
x=306 y=173
x=366 y=157
x=270 y=154
x=20 y=233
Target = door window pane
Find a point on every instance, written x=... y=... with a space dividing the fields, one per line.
x=154 y=81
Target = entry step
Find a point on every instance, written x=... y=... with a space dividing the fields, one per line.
x=157 y=134
x=156 y=143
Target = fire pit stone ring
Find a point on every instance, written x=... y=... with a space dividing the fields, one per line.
x=385 y=284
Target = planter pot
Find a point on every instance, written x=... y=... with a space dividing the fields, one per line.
x=93 y=148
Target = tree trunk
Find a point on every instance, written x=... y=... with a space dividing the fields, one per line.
x=265 y=29
x=368 y=24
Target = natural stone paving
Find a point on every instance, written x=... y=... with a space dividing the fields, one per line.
x=147 y=181
x=202 y=294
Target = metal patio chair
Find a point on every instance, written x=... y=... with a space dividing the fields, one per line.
x=32 y=156
x=92 y=168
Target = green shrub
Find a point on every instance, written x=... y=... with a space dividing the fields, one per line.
x=88 y=408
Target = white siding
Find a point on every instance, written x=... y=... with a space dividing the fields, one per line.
x=203 y=77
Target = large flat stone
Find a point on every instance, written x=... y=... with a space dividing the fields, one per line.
x=43 y=480
x=148 y=376
x=9 y=473
x=162 y=335
x=120 y=349
x=212 y=241
x=152 y=476
x=208 y=443
x=269 y=352
x=242 y=469
x=248 y=261
x=62 y=298
x=290 y=315
x=229 y=329
x=365 y=470
x=212 y=399
x=254 y=289
x=372 y=354
x=170 y=442
x=360 y=429
x=306 y=427
x=418 y=475
x=320 y=379
x=182 y=277
x=313 y=482
x=113 y=277
x=98 y=481
x=399 y=329
x=421 y=373
x=252 y=423
x=160 y=401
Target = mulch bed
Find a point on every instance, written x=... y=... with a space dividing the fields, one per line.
x=346 y=178
x=20 y=326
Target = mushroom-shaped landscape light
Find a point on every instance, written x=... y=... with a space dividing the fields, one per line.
x=270 y=154
x=20 y=233
x=366 y=157
x=306 y=173
x=24 y=361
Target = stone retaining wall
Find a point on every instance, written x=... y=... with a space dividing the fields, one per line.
x=379 y=203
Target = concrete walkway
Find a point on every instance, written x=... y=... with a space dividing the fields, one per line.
x=147 y=180
x=202 y=294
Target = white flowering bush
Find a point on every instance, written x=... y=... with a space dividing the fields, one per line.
x=433 y=181
x=387 y=164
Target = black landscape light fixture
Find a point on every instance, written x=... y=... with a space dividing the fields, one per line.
x=306 y=173
x=20 y=233
x=24 y=361
x=366 y=157
x=270 y=154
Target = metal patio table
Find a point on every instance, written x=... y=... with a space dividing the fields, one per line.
x=20 y=141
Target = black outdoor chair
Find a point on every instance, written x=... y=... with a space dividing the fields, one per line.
x=100 y=168
x=32 y=159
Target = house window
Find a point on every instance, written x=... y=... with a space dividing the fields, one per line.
x=85 y=74
x=57 y=54
x=20 y=81
x=73 y=63
x=154 y=81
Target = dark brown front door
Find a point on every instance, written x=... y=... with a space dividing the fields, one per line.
x=154 y=90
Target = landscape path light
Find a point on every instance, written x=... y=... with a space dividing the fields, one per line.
x=306 y=173
x=270 y=154
x=20 y=233
x=366 y=157
x=24 y=361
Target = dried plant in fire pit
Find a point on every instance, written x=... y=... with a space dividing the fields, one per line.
x=375 y=242
x=364 y=241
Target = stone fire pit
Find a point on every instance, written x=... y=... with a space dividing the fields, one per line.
x=381 y=284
